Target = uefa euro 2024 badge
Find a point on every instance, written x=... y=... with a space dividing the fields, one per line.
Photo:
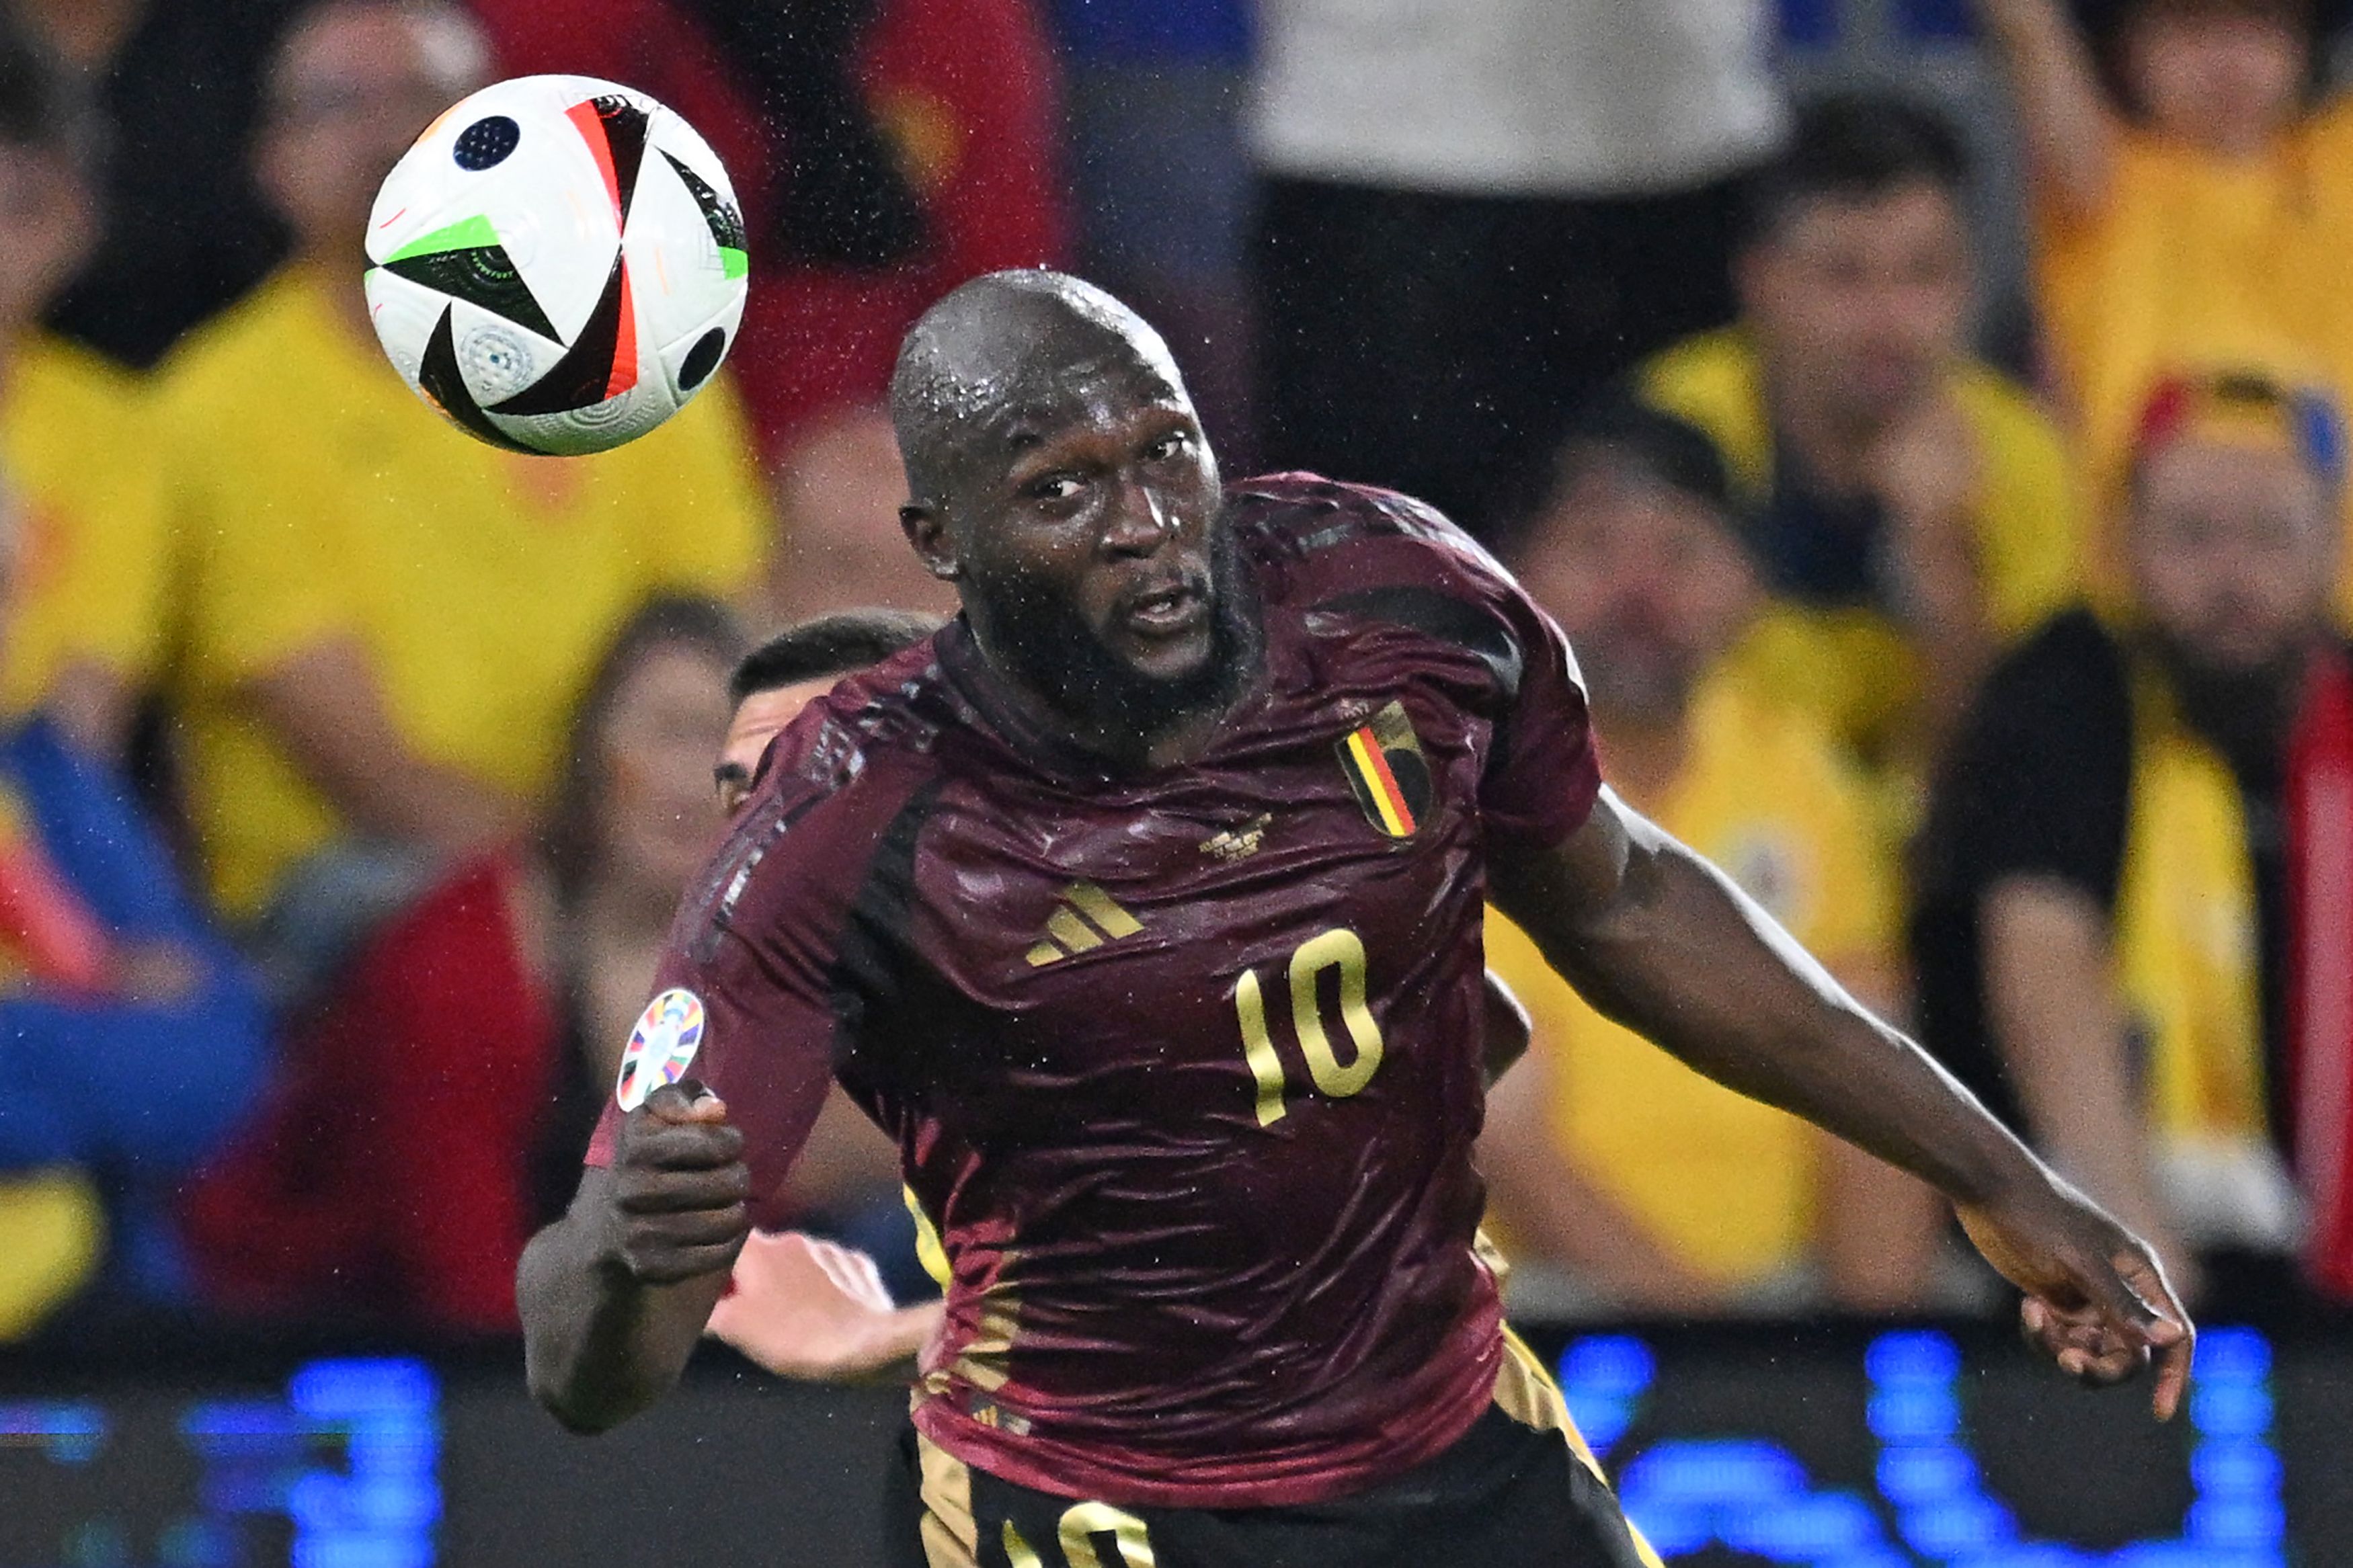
x=660 y=1046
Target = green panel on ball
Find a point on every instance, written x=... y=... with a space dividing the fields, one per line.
x=735 y=262
x=474 y=234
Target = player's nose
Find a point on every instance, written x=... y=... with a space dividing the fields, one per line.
x=1138 y=522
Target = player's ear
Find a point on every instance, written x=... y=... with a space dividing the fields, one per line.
x=927 y=531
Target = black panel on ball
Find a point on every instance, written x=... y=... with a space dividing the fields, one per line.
x=701 y=359
x=486 y=142
x=580 y=377
x=440 y=378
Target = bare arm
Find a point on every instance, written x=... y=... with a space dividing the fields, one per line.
x=324 y=705
x=1877 y=1229
x=1657 y=939
x=2070 y=127
x=2051 y=998
x=616 y=1293
x=1504 y=1029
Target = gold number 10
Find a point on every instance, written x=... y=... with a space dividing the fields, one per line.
x=1339 y=949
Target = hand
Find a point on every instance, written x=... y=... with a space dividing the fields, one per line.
x=1924 y=472
x=2096 y=1299
x=679 y=1187
x=806 y=1309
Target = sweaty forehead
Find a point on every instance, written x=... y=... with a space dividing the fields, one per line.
x=1032 y=359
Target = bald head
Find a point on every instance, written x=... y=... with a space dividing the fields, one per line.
x=1005 y=357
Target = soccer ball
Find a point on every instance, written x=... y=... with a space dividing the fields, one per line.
x=559 y=264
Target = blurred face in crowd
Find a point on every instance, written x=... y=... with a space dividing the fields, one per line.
x=46 y=227
x=838 y=493
x=2233 y=552
x=2224 y=77
x=758 y=720
x=353 y=84
x=1862 y=302
x=665 y=717
x=1646 y=578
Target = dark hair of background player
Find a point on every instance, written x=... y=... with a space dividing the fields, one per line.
x=665 y=622
x=829 y=646
x=1855 y=147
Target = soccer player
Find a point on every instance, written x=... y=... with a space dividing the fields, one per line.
x=1142 y=906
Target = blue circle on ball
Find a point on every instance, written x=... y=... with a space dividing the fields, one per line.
x=486 y=142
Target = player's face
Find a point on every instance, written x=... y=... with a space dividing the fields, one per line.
x=758 y=720
x=2233 y=552
x=2227 y=81
x=353 y=86
x=1866 y=302
x=1647 y=582
x=1086 y=540
x=654 y=749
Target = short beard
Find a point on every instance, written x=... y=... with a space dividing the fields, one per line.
x=2242 y=712
x=1048 y=647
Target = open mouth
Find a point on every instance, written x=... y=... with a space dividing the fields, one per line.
x=1165 y=610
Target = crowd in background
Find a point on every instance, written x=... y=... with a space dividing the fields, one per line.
x=352 y=767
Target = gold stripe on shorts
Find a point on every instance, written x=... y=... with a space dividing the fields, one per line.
x=950 y=1537
x=1526 y=1392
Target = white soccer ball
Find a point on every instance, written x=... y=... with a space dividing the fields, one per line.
x=559 y=264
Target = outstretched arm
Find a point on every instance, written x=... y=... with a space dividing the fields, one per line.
x=616 y=1293
x=1660 y=940
x=2070 y=128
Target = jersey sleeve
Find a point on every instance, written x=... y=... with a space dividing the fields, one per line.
x=1544 y=771
x=1400 y=560
x=744 y=997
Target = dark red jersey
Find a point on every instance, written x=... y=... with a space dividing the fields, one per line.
x=1183 y=1065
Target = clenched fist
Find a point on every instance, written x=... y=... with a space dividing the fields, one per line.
x=676 y=1208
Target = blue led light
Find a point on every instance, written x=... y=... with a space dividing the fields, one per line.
x=1754 y=1497
x=70 y=1432
x=1603 y=1378
x=375 y=1508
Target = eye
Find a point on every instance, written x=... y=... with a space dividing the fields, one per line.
x=1053 y=488
x=1167 y=446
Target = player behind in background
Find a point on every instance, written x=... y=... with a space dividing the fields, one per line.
x=1142 y=905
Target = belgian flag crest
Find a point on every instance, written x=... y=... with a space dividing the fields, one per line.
x=1383 y=759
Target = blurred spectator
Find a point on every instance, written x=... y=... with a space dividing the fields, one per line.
x=131 y=1039
x=1653 y=1187
x=1476 y=215
x=383 y=621
x=2139 y=861
x=884 y=151
x=1910 y=508
x=2199 y=215
x=175 y=87
x=87 y=581
x=1156 y=90
x=838 y=490
x=434 y=1116
x=474 y=1039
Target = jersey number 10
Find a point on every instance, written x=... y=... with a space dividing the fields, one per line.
x=1339 y=949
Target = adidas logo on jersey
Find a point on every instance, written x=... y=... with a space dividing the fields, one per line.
x=1085 y=917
